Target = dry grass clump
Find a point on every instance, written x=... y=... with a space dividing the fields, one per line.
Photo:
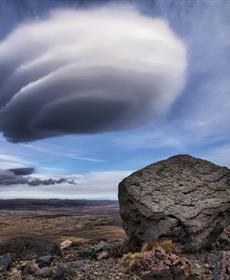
x=158 y=258
x=128 y=261
x=167 y=245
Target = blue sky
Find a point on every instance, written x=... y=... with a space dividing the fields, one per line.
x=197 y=122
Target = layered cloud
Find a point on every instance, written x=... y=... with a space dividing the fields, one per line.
x=91 y=185
x=16 y=177
x=88 y=71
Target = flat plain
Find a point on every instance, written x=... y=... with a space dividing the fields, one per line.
x=79 y=221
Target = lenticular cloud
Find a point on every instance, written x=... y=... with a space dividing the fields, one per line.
x=87 y=71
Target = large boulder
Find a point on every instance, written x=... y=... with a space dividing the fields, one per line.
x=184 y=199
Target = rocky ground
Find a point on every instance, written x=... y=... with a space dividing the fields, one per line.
x=82 y=242
x=106 y=260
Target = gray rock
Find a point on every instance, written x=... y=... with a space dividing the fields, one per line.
x=60 y=273
x=224 y=241
x=212 y=260
x=43 y=272
x=28 y=277
x=222 y=267
x=29 y=246
x=85 y=253
x=64 y=272
x=183 y=198
x=101 y=246
x=30 y=268
x=78 y=264
x=5 y=262
x=45 y=260
x=92 y=252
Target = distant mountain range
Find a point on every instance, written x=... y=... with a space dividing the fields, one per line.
x=34 y=204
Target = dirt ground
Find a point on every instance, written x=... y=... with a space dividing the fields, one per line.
x=79 y=223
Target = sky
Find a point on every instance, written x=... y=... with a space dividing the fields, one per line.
x=99 y=89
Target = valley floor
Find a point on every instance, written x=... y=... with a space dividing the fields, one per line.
x=62 y=221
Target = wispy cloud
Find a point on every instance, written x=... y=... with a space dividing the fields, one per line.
x=164 y=137
x=5 y=157
x=58 y=151
x=219 y=155
x=10 y=161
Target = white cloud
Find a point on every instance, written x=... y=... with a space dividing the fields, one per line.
x=58 y=151
x=219 y=155
x=88 y=71
x=11 y=161
x=92 y=185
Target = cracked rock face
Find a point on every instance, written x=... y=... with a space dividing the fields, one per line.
x=184 y=199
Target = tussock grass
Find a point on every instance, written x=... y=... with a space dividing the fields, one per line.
x=167 y=245
x=129 y=260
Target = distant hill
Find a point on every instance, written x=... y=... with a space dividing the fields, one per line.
x=39 y=204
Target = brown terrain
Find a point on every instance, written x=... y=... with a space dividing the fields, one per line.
x=84 y=223
x=59 y=220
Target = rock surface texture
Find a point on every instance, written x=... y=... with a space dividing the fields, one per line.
x=222 y=267
x=184 y=199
